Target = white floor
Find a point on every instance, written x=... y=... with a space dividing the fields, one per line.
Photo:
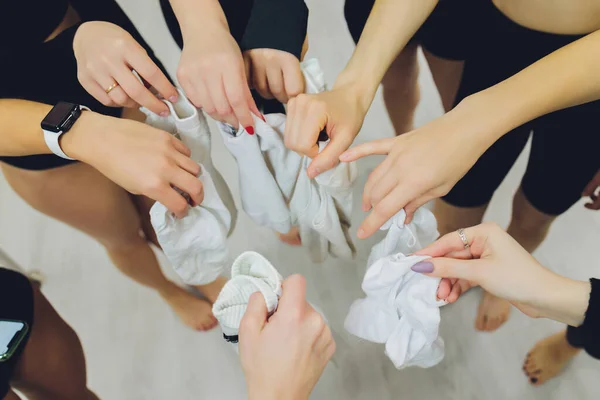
x=137 y=349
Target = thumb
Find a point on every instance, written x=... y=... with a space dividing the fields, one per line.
x=449 y=268
x=255 y=317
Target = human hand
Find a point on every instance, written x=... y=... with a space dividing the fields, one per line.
x=274 y=73
x=593 y=191
x=212 y=74
x=284 y=356
x=340 y=112
x=106 y=55
x=139 y=158
x=420 y=165
x=497 y=263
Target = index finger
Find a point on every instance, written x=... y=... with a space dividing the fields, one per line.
x=235 y=90
x=382 y=212
x=379 y=147
x=293 y=293
x=138 y=92
x=147 y=69
x=450 y=242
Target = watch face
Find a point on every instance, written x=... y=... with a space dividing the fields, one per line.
x=59 y=116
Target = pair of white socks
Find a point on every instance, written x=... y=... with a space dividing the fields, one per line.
x=275 y=188
x=196 y=244
x=401 y=309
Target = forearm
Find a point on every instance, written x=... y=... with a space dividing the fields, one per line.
x=568 y=77
x=195 y=16
x=565 y=300
x=391 y=24
x=20 y=131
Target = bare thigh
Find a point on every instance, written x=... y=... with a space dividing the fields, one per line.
x=446 y=76
x=81 y=197
x=52 y=365
x=451 y=218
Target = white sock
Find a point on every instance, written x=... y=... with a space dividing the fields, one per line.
x=262 y=198
x=406 y=239
x=193 y=130
x=401 y=310
x=196 y=245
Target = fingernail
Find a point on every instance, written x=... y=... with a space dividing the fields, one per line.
x=173 y=99
x=366 y=207
x=423 y=267
x=360 y=233
x=164 y=114
x=250 y=130
x=263 y=118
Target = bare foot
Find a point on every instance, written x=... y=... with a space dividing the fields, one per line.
x=292 y=237
x=194 y=312
x=493 y=312
x=211 y=291
x=548 y=357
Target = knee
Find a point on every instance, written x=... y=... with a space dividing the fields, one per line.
x=400 y=82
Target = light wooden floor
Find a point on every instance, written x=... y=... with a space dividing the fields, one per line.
x=137 y=349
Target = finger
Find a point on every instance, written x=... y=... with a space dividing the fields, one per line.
x=329 y=157
x=260 y=83
x=594 y=205
x=172 y=200
x=181 y=147
x=187 y=164
x=147 y=69
x=121 y=98
x=381 y=213
x=99 y=93
x=276 y=83
x=137 y=91
x=324 y=339
x=293 y=296
x=254 y=319
x=378 y=173
x=413 y=206
x=235 y=87
x=293 y=78
x=189 y=184
x=592 y=185
x=382 y=146
x=382 y=188
x=307 y=121
x=449 y=268
x=444 y=289
x=455 y=293
x=223 y=111
x=448 y=243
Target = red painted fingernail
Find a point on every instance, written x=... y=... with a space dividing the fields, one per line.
x=263 y=118
x=250 y=130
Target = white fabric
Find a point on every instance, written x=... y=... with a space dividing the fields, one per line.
x=401 y=308
x=195 y=245
x=250 y=273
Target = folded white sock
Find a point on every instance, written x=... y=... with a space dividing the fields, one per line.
x=196 y=245
x=401 y=310
x=406 y=239
x=250 y=273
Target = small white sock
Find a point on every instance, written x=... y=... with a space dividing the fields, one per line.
x=401 y=310
x=196 y=245
x=262 y=198
x=192 y=128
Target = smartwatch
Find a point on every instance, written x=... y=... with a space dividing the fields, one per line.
x=58 y=121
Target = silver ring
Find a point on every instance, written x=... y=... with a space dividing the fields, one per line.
x=463 y=237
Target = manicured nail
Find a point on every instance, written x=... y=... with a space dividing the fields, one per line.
x=263 y=118
x=164 y=114
x=250 y=130
x=173 y=99
x=423 y=267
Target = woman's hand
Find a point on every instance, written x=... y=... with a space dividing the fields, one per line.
x=212 y=74
x=420 y=165
x=593 y=191
x=274 y=74
x=139 y=158
x=340 y=111
x=284 y=356
x=106 y=55
x=497 y=263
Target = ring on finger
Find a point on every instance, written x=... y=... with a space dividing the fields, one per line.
x=463 y=237
x=111 y=87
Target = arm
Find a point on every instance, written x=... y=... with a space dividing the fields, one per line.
x=342 y=110
x=140 y=158
x=442 y=151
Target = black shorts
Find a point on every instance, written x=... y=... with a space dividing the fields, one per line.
x=16 y=303
x=47 y=73
x=564 y=151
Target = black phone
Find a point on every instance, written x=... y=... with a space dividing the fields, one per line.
x=12 y=334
